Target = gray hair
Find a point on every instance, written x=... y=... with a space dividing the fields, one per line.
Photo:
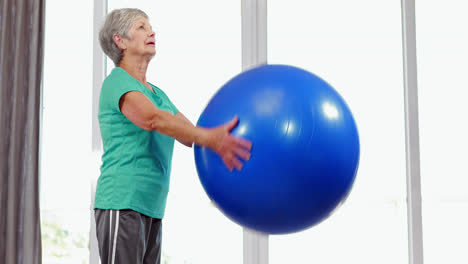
x=118 y=21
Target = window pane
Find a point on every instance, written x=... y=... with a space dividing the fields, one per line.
x=198 y=49
x=67 y=162
x=356 y=47
x=442 y=67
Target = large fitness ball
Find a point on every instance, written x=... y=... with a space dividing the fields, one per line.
x=305 y=150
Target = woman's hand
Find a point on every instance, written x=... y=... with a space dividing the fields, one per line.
x=228 y=147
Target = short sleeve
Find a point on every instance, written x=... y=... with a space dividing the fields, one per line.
x=114 y=90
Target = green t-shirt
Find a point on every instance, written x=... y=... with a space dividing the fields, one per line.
x=136 y=163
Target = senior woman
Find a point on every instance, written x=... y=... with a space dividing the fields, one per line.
x=138 y=127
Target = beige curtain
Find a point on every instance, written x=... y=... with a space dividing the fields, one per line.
x=21 y=59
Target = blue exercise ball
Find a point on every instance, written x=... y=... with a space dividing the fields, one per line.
x=304 y=156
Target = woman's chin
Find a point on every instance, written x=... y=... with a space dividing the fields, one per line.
x=152 y=52
x=149 y=53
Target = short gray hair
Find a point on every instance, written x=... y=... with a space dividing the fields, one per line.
x=118 y=21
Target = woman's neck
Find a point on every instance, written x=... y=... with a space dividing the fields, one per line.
x=136 y=68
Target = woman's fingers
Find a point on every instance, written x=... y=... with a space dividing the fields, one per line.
x=231 y=124
x=236 y=163
x=230 y=148
x=227 y=162
x=244 y=143
x=239 y=148
x=232 y=162
x=242 y=153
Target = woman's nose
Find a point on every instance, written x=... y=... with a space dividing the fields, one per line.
x=152 y=34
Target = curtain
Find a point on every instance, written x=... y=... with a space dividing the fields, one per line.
x=21 y=60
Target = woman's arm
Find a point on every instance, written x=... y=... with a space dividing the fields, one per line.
x=139 y=110
x=185 y=119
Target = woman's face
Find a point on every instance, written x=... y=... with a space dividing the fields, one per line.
x=141 y=42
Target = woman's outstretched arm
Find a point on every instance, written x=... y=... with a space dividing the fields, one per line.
x=140 y=111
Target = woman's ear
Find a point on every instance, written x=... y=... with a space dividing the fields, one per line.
x=119 y=41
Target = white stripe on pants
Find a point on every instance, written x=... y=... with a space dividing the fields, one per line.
x=115 y=233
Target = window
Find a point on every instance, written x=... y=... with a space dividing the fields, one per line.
x=442 y=66
x=356 y=46
x=67 y=163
